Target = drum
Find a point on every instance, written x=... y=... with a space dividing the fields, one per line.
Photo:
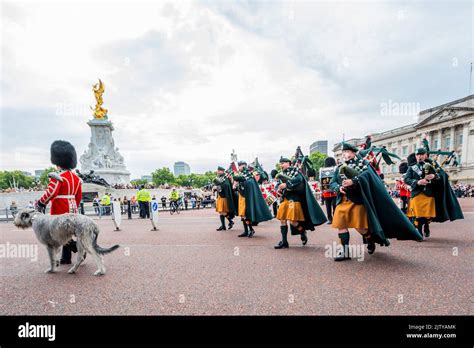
x=325 y=176
x=271 y=194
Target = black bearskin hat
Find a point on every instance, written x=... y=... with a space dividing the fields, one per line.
x=310 y=173
x=403 y=167
x=63 y=154
x=411 y=159
x=329 y=162
x=273 y=173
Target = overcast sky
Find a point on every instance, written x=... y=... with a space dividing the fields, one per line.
x=190 y=81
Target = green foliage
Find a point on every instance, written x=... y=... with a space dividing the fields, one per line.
x=10 y=179
x=165 y=176
x=317 y=158
x=44 y=179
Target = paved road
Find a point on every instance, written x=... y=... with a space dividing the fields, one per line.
x=189 y=268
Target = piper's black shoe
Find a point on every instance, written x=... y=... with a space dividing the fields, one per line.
x=281 y=245
x=222 y=228
x=342 y=257
x=426 y=229
x=251 y=233
x=245 y=234
x=343 y=254
x=65 y=262
x=370 y=248
x=304 y=238
x=231 y=224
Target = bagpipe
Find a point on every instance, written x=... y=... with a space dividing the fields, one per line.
x=374 y=155
x=301 y=165
x=228 y=174
x=428 y=169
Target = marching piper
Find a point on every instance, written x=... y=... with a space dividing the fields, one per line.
x=64 y=189
x=251 y=206
x=298 y=205
x=225 y=204
x=431 y=198
x=363 y=203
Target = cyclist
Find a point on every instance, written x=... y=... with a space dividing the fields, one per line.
x=174 y=198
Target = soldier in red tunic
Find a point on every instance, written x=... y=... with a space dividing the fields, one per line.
x=402 y=188
x=64 y=190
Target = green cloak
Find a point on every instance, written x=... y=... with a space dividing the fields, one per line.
x=256 y=209
x=228 y=194
x=385 y=219
x=447 y=205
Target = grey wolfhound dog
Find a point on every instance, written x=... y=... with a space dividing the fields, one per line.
x=56 y=230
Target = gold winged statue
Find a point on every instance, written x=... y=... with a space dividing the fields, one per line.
x=99 y=112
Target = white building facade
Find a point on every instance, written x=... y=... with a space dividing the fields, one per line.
x=448 y=127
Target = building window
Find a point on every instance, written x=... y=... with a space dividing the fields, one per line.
x=405 y=151
x=394 y=169
x=435 y=144
x=447 y=142
x=460 y=139
x=394 y=150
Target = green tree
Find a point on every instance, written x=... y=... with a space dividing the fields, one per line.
x=163 y=176
x=44 y=179
x=16 y=178
x=317 y=158
x=184 y=180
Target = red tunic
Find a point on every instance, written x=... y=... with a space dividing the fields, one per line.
x=329 y=194
x=65 y=193
x=402 y=188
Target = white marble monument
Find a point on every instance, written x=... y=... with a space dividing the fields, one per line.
x=101 y=155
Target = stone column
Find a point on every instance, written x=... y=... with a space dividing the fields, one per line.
x=465 y=143
x=452 y=142
x=440 y=144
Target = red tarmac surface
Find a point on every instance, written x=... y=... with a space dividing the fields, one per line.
x=187 y=267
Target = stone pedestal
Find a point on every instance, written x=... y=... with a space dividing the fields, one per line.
x=102 y=156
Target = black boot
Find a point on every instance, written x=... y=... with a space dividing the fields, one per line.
x=66 y=255
x=426 y=229
x=419 y=227
x=246 y=230
x=222 y=227
x=304 y=236
x=370 y=243
x=344 y=253
x=231 y=223
x=251 y=230
x=283 y=244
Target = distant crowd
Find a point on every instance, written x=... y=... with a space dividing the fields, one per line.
x=39 y=187
x=463 y=190
x=148 y=186
x=139 y=202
